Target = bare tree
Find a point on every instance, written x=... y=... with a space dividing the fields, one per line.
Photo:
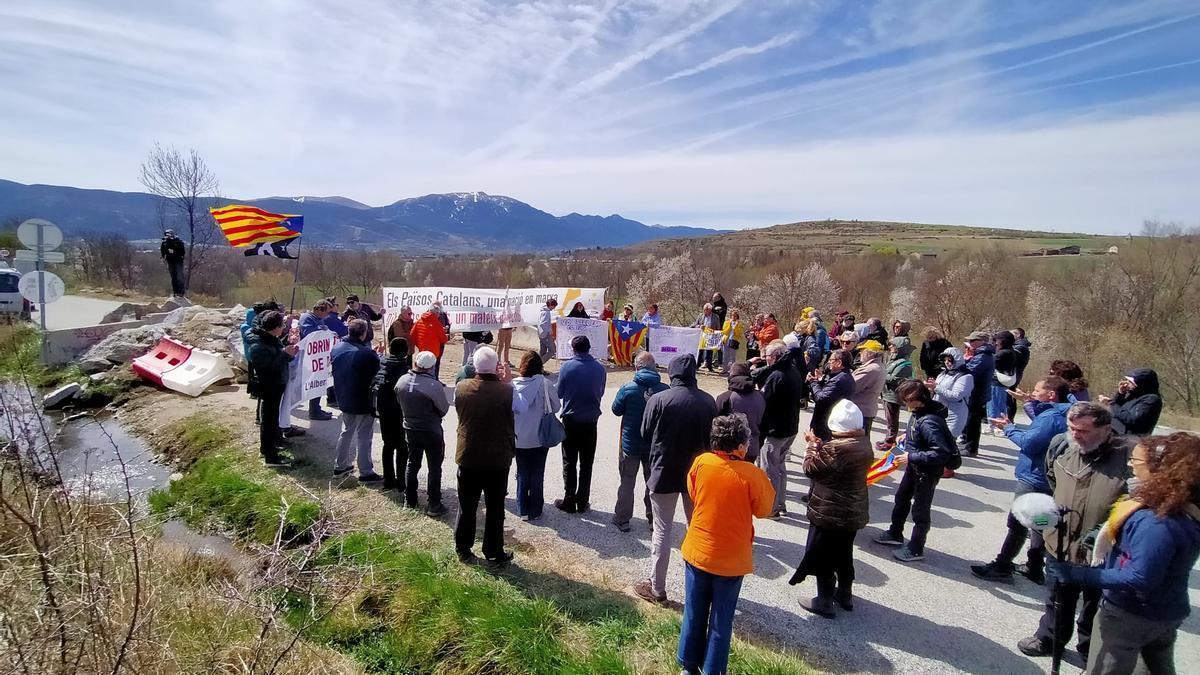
x=184 y=183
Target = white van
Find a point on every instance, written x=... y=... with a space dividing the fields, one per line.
x=12 y=305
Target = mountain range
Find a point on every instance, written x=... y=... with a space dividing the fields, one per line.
x=464 y=222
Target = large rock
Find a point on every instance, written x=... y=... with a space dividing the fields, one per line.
x=129 y=311
x=234 y=346
x=61 y=396
x=175 y=302
x=124 y=346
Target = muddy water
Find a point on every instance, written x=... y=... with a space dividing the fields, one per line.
x=87 y=450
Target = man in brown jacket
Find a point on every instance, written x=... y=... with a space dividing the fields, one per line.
x=1087 y=468
x=486 y=446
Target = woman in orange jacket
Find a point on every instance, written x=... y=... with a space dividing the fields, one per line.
x=728 y=493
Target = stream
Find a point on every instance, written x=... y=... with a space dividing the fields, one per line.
x=86 y=447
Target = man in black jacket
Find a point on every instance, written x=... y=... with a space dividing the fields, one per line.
x=1137 y=404
x=677 y=422
x=173 y=252
x=782 y=387
x=268 y=360
x=928 y=448
x=391 y=416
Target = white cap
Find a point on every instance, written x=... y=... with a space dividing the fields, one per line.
x=485 y=359
x=845 y=416
x=425 y=360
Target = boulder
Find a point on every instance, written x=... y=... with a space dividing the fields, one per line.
x=234 y=346
x=94 y=366
x=180 y=315
x=175 y=302
x=129 y=311
x=124 y=346
x=61 y=396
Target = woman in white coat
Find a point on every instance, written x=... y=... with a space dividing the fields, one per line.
x=952 y=388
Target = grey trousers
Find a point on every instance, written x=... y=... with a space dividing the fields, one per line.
x=772 y=459
x=545 y=347
x=356 y=430
x=628 y=466
x=663 y=509
x=469 y=347
x=1119 y=637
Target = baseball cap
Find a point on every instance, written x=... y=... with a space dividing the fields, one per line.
x=425 y=360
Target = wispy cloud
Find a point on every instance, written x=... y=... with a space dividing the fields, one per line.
x=653 y=107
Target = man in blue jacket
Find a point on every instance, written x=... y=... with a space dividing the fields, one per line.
x=354 y=368
x=1050 y=419
x=580 y=386
x=311 y=322
x=981 y=363
x=629 y=404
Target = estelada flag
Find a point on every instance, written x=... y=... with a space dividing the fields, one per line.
x=276 y=249
x=247 y=225
x=884 y=465
x=625 y=337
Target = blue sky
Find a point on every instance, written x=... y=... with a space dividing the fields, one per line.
x=1067 y=115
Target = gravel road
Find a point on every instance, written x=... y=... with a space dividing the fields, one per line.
x=927 y=617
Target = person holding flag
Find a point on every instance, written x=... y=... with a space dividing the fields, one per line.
x=625 y=336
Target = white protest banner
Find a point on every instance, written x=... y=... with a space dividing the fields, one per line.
x=710 y=339
x=596 y=331
x=667 y=342
x=316 y=363
x=476 y=309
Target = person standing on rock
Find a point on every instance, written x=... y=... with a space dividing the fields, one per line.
x=268 y=360
x=356 y=309
x=486 y=447
x=728 y=493
x=580 y=386
x=354 y=368
x=629 y=404
x=837 y=508
x=173 y=252
x=677 y=422
x=311 y=322
x=423 y=401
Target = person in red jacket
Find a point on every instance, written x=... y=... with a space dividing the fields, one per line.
x=428 y=335
x=728 y=493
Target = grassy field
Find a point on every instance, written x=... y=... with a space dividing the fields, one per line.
x=853 y=236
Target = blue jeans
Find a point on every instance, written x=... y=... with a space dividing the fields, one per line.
x=531 y=471
x=708 y=606
x=998 y=401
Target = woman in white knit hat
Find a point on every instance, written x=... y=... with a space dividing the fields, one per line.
x=837 y=508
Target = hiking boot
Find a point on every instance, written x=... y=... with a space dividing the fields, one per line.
x=643 y=590
x=564 y=506
x=888 y=539
x=1034 y=646
x=436 y=511
x=1035 y=574
x=320 y=416
x=993 y=572
x=907 y=555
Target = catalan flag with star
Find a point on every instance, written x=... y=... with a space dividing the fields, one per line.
x=625 y=338
x=246 y=226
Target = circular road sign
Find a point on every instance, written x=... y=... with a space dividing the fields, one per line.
x=27 y=232
x=28 y=285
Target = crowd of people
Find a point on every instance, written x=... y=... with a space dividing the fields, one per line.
x=723 y=459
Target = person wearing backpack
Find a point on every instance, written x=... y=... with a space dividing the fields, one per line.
x=537 y=399
x=929 y=449
x=391 y=416
x=629 y=404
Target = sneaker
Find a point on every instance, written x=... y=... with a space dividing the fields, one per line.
x=888 y=539
x=992 y=572
x=320 y=416
x=643 y=590
x=339 y=473
x=776 y=515
x=906 y=555
x=293 y=431
x=525 y=518
x=276 y=461
x=501 y=560
x=436 y=511
x=370 y=478
x=564 y=506
x=1035 y=574
x=468 y=558
x=1034 y=646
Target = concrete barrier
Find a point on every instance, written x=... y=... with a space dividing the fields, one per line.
x=64 y=346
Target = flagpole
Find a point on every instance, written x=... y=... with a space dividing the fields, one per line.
x=296 y=275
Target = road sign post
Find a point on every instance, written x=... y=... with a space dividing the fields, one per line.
x=42 y=237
